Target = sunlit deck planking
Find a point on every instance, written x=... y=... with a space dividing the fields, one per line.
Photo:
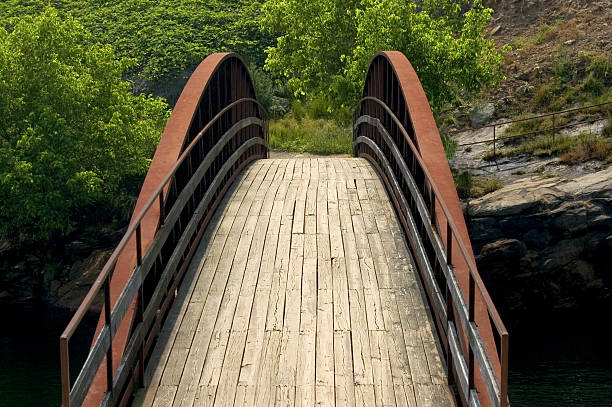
x=301 y=293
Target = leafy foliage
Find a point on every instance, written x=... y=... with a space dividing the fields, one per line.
x=326 y=46
x=317 y=136
x=165 y=37
x=71 y=132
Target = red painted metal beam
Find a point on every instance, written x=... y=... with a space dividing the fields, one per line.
x=419 y=120
x=173 y=141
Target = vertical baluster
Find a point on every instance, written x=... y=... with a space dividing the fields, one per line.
x=471 y=320
x=450 y=316
x=140 y=305
x=65 y=366
x=162 y=209
x=107 y=323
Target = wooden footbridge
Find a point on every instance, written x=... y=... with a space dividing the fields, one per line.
x=249 y=281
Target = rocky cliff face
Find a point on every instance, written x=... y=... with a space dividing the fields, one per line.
x=546 y=243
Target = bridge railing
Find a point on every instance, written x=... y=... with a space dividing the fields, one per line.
x=222 y=130
x=391 y=130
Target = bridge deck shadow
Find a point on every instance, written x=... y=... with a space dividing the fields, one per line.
x=302 y=291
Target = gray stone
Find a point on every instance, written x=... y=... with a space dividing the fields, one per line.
x=279 y=104
x=545 y=242
x=524 y=76
x=481 y=114
x=5 y=245
x=524 y=90
x=504 y=249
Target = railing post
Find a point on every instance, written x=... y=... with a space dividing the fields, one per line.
x=471 y=312
x=65 y=366
x=503 y=394
x=162 y=209
x=449 y=303
x=139 y=303
x=107 y=322
x=138 y=245
x=494 y=137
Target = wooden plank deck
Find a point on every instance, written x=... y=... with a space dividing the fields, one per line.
x=302 y=293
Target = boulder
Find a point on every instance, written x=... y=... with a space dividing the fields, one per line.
x=545 y=243
x=481 y=114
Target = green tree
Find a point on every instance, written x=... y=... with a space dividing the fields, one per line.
x=164 y=37
x=325 y=46
x=71 y=132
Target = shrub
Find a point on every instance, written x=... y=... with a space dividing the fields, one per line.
x=607 y=129
x=543 y=95
x=588 y=148
x=73 y=132
x=482 y=186
x=463 y=183
x=546 y=33
x=317 y=136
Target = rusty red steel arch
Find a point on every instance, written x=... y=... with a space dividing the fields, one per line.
x=395 y=130
x=216 y=128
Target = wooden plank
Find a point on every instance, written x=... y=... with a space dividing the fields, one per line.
x=300 y=207
x=279 y=280
x=353 y=272
x=288 y=357
x=306 y=361
x=343 y=369
x=325 y=340
x=364 y=395
x=285 y=396
x=331 y=171
x=381 y=369
x=383 y=277
x=342 y=321
x=205 y=397
x=324 y=270
x=322 y=217
x=335 y=232
x=373 y=309
x=308 y=310
x=310 y=210
x=362 y=360
x=228 y=381
x=314 y=169
x=289 y=169
x=296 y=260
x=265 y=391
x=164 y=396
x=396 y=345
x=362 y=244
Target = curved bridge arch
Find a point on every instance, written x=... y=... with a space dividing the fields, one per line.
x=395 y=130
x=216 y=128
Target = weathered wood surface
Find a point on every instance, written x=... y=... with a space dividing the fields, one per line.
x=302 y=293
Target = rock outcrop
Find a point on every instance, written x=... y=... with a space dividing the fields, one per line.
x=480 y=115
x=545 y=243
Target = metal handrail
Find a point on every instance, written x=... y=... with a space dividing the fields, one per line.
x=498 y=389
x=103 y=279
x=112 y=261
x=553 y=128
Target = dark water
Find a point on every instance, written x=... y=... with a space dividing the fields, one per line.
x=548 y=367
x=29 y=354
x=563 y=361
